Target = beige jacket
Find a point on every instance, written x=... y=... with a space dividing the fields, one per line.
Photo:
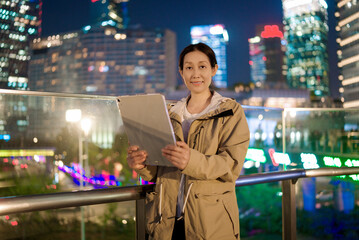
x=219 y=142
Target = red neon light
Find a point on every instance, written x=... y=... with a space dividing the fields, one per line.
x=251 y=62
x=264 y=58
x=271 y=31
x=94 y=1
x=271 y=152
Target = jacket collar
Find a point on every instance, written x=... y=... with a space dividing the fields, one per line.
x=223 y=107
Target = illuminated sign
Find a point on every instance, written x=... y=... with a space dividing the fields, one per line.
x=5 y=137
x=256 y=155
x=27 y=152
x=351 y=163
x=271 y=31
x=332 y=162
x=309 y=160
x=279 y=158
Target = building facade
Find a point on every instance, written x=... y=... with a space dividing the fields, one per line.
x=266 y=57
x=110 y=10
x=20 y=22
x=216 y=37
x=306 y=33
x=103 y=60
x=347 y=14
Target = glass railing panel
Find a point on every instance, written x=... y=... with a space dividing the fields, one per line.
x=322 y=137
x=48 y=142
x=260 y=206
x=103 y=221
x=319 y=138
x=265 y=126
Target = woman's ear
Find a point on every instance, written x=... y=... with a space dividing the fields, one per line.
x=180 y=72
x=214 y=70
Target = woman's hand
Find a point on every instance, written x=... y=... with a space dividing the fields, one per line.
x=178 y=154
x=136 y=158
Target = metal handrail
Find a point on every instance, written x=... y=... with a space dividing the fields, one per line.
x=31 y=203
x=55 y=94
x=293 y=174
x=21 y=204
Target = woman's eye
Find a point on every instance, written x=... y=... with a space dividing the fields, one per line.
x=188 y=68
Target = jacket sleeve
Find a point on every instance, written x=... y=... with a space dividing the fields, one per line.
x=148 y=173
x=233 y=145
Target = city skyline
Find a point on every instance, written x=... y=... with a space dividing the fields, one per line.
x=240 y=20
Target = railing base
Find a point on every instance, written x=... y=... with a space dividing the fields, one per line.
x=289 y=216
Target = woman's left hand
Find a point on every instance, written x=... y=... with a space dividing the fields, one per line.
x=178 y=154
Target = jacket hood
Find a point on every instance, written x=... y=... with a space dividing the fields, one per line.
x=217 y=105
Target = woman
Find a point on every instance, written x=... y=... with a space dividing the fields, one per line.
x=196 y=198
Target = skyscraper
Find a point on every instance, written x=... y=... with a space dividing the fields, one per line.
x=110 y=10
x=216 y=37
x=105 y=61
x=20 y=22
x=306 y=33
x=348 y=54
x=266 y=55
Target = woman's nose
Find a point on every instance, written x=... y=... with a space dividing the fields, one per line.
x=195 y=72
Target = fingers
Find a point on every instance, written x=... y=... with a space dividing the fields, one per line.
x=136 y=157
x=182 y=144
x=133 y=148
x=178 y=154
x=175 y=153
x=177 y=146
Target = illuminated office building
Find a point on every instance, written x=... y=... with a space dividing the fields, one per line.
x=104 y=61
x=306 y=33
x=115 y=10
x=348 y=54
x=216 y=37
x=20 y=22
x=266 y=57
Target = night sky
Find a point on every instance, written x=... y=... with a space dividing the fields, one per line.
x=240 y=18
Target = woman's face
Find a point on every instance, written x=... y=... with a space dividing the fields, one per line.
x=197 y=72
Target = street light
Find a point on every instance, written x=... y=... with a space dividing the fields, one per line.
x=74 y=116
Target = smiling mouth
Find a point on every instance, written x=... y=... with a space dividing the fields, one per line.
x=197 y=82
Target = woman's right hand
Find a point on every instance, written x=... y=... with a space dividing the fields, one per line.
x=136 y=158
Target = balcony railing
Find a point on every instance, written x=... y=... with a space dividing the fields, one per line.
x=39 y=148
x=21 y=204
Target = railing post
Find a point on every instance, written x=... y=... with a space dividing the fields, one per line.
x=289 y=216
x=140 y=220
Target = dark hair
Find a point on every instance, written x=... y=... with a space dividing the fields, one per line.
x=198 y=47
